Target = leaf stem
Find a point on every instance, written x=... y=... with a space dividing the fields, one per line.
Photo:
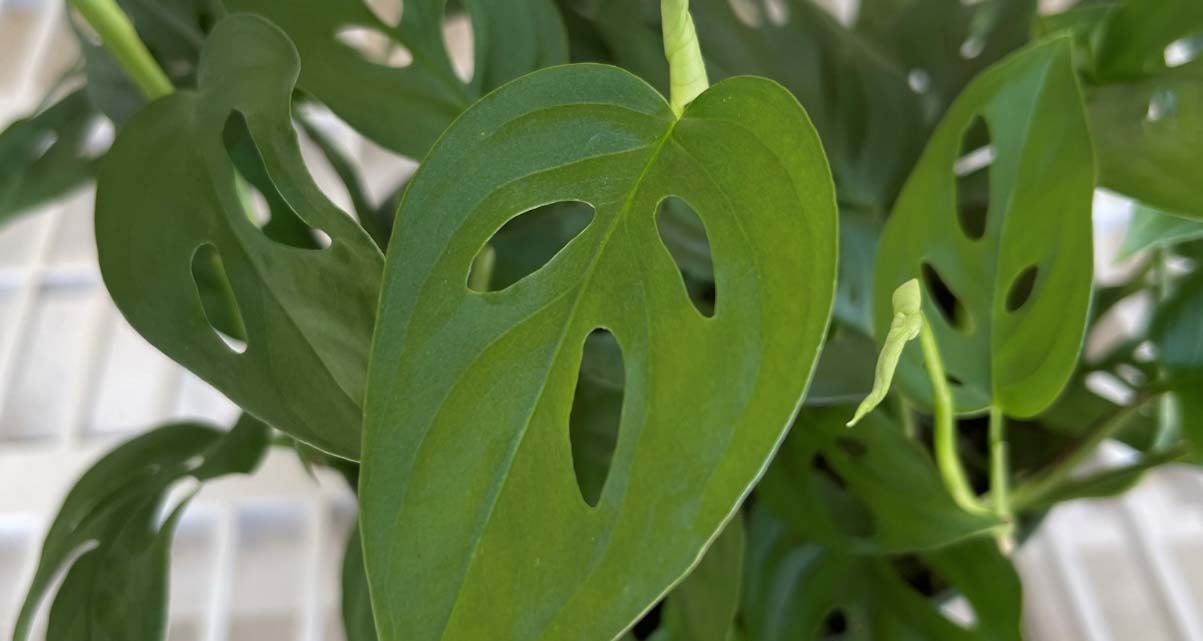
x=1050 y=479
x=482 y=269
x=686 y=69
x=999 y=480
x=947 y=459
x=122 y=42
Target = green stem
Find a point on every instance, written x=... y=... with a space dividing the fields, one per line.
x=122 y=42
x=686 y=70
x=945 y=437
x=482 y=269
x=1049 y=480
x=1070 y=486
x=999 y=467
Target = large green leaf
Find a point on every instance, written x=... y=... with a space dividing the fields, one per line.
x=118 y=588
x=793 y=586
x=406 y=108
x=46 y=155
x=358 y=624
x=1151 y=228
x=1007 y=296
x=470 y=393
x=865 y=488
x=702 y=607
x=1177 y=331
x=169 y=191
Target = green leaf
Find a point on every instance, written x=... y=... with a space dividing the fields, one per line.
x=703 y=606
x=45 y=155
x=1006 y=296
x=356 y=602
x=792 y=586
x=865 y=489
x=470 y=393
x=1151 y=228
x=405 y=109
x=117 y=590
x=170 y=191
x=844 y=372
x=904 y=327
x=1177 y=332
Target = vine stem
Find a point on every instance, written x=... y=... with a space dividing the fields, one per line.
x=999 y=472
x=686 y=70
x=1052 y=478
x=945 y=438
x=118 y=36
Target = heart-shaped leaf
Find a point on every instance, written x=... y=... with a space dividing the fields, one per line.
x=470 y=393
x=118 y=588
x=1003 y=251
x=171 y=207
x=868 y=488
x=404 y=99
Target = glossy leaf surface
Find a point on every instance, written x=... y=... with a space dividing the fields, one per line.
x=470 y=393
x=170 y=189
x=118 y=588
x=1007 y=300
x=405 y=107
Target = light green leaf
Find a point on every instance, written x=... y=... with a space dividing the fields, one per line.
x=1152 y=228
x=470 y=393
x=170 y=193
x=44 y=156
x=703 y=606
x=1006 y=286
x=117 y=590
x=904 y=327
x=792 y=586
x=888 y=497
x=405 y=107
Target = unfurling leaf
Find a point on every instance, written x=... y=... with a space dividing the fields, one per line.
x=470 y=393
x=904 y=327
x=172 y=213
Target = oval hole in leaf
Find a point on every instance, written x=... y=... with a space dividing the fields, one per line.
x=972 y=170
x=951 y=307
x=1183 y=50
x=217 y=297
x=836 y=623
x=460 y=39
x=596 y=413
x=266 y=208
x=530 y=240
x=684 y=235
x=387 y=11
x=375 y=46
x=1021 y=288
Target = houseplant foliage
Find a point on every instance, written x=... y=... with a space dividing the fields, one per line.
x=592 y=372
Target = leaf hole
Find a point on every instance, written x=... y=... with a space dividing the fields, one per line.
x=459 y=37
x=777 y=12
x=951 y=308
x=596 y=413
x=954 y=381
x=217 y=297
x=265 y=206
x=919 y=80
x=1163 y=104
x=972 y=47
x=748 y=12
x=835 y=623
x=972 y=171
x=684 y=236
x=386 y=11
x=1021 y=288
x=375 y=46
x=1183 y=50
x=527 y=242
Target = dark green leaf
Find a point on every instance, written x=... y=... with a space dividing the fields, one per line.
x=1177 y=331
x=1007 y=296
x=470 y=392
x=405 y=109
x=844 y=373
x=865 y=488
x=117 y=590
x=171 y=188
x=46 y=155
x=702 y=607
x=356 y=602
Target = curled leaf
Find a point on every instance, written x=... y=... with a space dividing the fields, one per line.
x=904 y=327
